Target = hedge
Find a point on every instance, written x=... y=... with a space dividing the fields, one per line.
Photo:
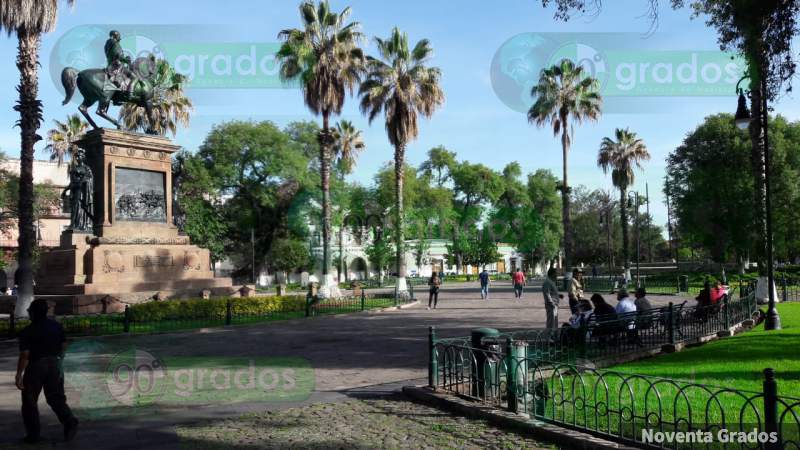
x=215 y=307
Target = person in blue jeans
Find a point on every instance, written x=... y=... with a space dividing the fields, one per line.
x=484 y=277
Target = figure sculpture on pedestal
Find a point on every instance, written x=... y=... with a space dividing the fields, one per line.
x=81 y=194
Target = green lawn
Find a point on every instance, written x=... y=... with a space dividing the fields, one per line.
x=737 y=362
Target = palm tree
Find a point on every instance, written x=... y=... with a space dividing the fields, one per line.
x=60 y=140
x=402 y=86
x=171 y=106
x=619 y=157
x=326 y=59
x=347 y=145
x=28 y=20
x=564 y=97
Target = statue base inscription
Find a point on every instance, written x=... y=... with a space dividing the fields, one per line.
x=133 y=251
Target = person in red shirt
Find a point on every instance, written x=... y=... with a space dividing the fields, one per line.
x=717 y=292
x=519 y=283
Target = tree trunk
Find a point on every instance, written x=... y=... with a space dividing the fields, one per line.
x=399 y=213
x=565 y=214
x=623 y=218
x=30 y=111
x=325 y=141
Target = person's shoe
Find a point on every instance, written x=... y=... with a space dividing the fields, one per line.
x=429 y=308
x=71 y=429
x=31 y=440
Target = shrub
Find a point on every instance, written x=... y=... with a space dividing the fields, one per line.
x=213 y=308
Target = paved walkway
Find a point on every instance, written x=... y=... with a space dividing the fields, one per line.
x=353 y=354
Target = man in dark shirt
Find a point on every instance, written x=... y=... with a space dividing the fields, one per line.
x=41 y=346
x=484 y=277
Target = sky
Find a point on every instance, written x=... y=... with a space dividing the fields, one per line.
x=489 y=54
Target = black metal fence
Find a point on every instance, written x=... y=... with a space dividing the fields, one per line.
x=548 y=375
x=230 y=314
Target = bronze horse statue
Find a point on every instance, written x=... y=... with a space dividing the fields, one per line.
x=96 y=87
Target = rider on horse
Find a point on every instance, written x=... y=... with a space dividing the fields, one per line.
x=118 y=68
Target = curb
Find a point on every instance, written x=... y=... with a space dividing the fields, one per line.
x=563 y=437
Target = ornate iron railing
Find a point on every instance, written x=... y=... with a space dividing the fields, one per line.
x=548 y=375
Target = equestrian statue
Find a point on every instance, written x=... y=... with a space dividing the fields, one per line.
x=122 y=81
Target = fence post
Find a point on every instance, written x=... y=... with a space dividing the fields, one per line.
x=363 y=298
x=726 y=306
x=511 y=376
x=126 y=320
x=785 y=288
x=395 y=293
x=308 y=304
x=411 y=291
x=433 y=360
x=671 y=323
x=12 y=324
x=228 y=312
x=771 y=406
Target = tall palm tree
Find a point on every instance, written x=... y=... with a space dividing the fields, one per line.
x=171 y=106
x=565 y=97
x=402 y=86
x=326 y=59
x=28 y=20
x=620 y=156
x=60 y=140
x=348 y=144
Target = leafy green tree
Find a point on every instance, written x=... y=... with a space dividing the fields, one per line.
x=325 y=57
x=620 y=156
x=400 y=85
x=287 y=255
x=542 y=228
x=28 y=20
x=61 y=138
x=482 y=251
x=711 y=200
x=420 y=250
x=171 y=107
x=380 y=252
x=440 y=161
x=564 y=97
x=246 y=176
x=347 y=145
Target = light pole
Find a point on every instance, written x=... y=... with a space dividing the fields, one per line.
x=743 y=120
x=605 y=220
x=634 y=202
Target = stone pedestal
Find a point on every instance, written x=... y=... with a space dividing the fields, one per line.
x=134 y=251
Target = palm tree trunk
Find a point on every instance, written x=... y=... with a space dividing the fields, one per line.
x=565 y=207
x=30 y=111
x=399 y=215
x=325 y=141
x=623 y=218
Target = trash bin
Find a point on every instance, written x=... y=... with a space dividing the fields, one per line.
x=484 y=363
x=683 y=284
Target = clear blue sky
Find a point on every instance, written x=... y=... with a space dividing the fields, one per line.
x=465 y=36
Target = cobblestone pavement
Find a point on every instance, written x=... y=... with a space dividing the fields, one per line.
x=346 y=352
x=391 y=422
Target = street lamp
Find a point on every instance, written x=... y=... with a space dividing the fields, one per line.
x=742 y=120
x=634 y=201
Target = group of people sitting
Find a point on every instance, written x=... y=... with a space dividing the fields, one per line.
x=598 y=310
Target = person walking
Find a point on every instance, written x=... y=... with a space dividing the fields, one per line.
x=42 y=345
x=484 y=277
x=433 y=292
x=575 y=290
x=551 y=299
x=519 y=283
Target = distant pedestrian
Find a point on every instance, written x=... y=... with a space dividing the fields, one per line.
x=594 y=270
x=519 y=283
x=575 y=291
x=42 y=345
x=484 y=277
x=433 y=292
x=551 y=299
